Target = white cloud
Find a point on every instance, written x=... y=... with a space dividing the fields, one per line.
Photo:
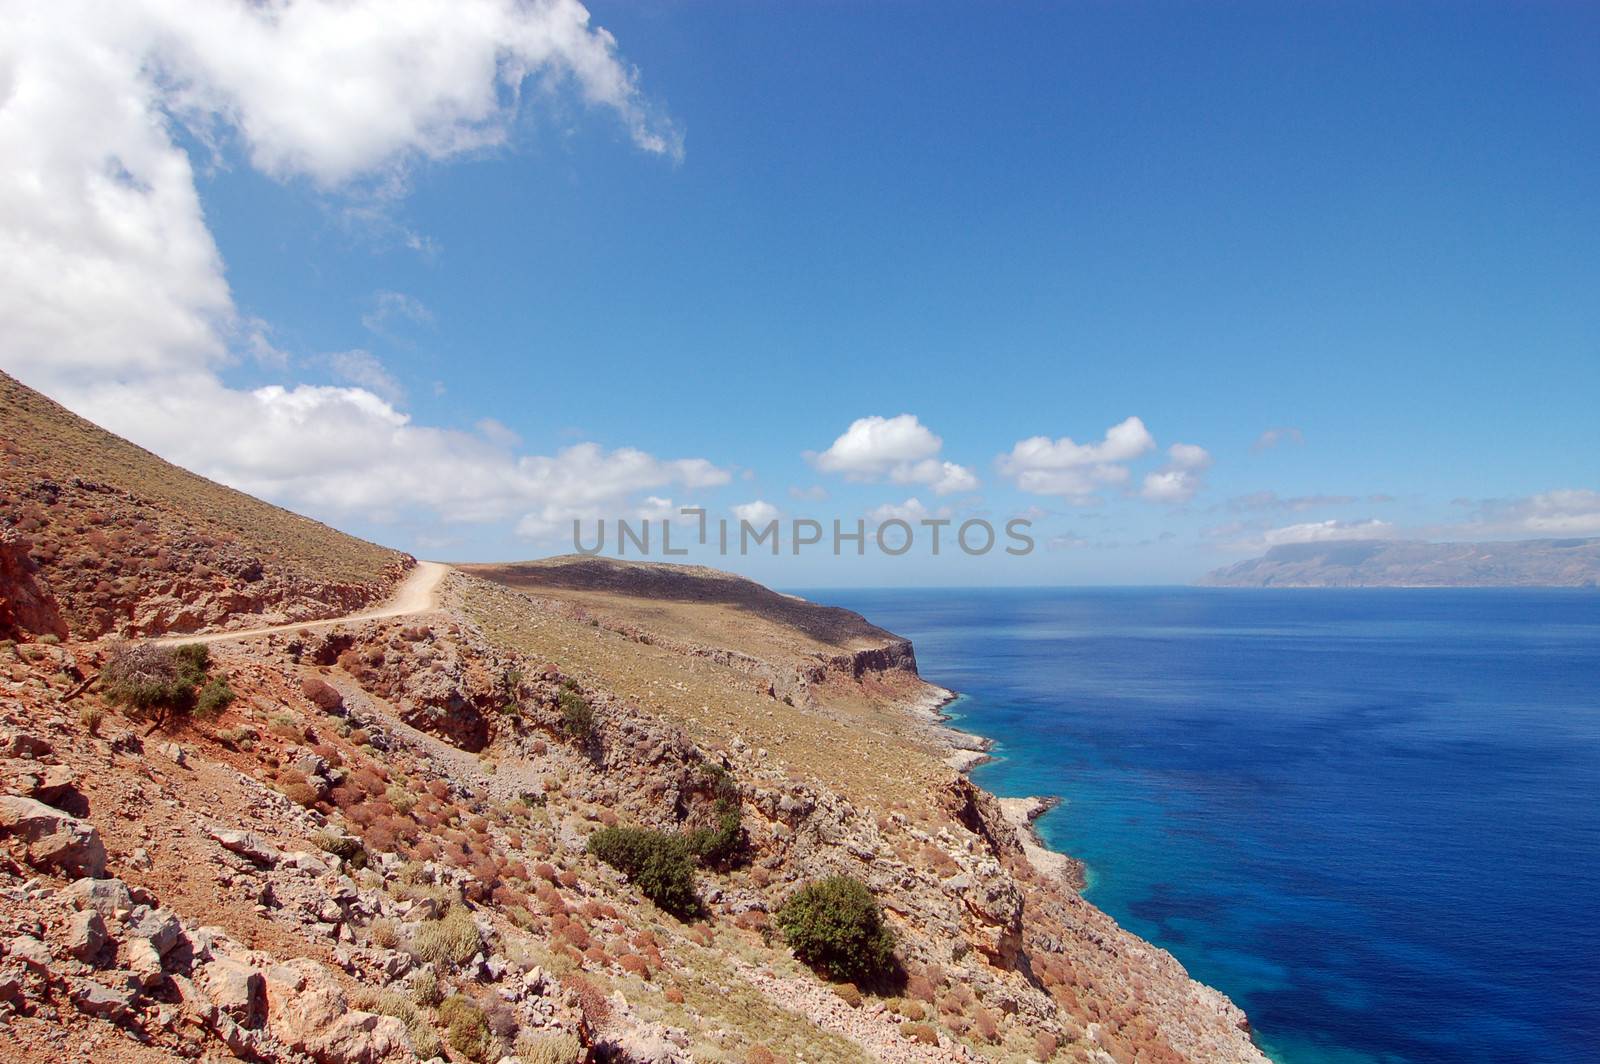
x=1273 y=437
x=1567 y=512
x=814 y=493
x=367 y=370
x=899 y=449
x=1180 y=478
x=1318 y=531
x=390 y=309
x=1076 y=470
x=911 y=511
x=113 y=295
x=758 y=512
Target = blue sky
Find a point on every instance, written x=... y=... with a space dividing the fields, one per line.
x=1372 y=228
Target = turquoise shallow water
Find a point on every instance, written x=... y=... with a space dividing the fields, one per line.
x=1367 y=816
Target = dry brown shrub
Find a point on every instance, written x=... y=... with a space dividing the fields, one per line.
x=634 y=964
x=592 y=1001
x=321 y=694
x=575 y=934
x=674 y=995
x=1044 y=1046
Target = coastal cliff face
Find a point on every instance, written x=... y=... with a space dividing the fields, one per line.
x=376 y=850
x=1396 y=563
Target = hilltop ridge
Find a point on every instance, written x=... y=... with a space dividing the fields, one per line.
x=98 y=536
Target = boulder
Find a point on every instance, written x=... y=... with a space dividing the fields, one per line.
x=161 y=928
x=108 y=897
x=237 y=988
x=86 y=935
x=249 y=845
x=54 y=837
x=29 y=951
x=51 y=784
x=111 y=1003
x=361 y=1038
x=142 y=960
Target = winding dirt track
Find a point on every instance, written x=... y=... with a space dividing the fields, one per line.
x=417 y=593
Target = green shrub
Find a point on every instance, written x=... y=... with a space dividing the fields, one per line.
x=721 y=846
x=146 y=680
x=466 y=1029
x=425 y=989
x=835 y=926
x=655 y=862
x=577 y=715
x=451 y=939
x=214 y=697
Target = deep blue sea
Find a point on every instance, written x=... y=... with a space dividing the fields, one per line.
x=1367 y=816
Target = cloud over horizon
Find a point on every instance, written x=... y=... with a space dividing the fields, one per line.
x=898 y=449
x=114 y=294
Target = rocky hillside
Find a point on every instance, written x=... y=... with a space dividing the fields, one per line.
x=552 y=825
x=1405 y=563
x=98 y=537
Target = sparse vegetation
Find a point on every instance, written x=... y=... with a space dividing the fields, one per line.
x=548 y=1048
x=466 y=1029
x=347 y=848
x=658 y=864
x=835 y=926
x=452 y=939
x=158 y=683
x=577 y=715
x=90 y=716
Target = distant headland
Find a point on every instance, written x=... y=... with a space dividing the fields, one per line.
x=1410 y=563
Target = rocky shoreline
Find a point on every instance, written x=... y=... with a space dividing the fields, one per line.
x=966 y=751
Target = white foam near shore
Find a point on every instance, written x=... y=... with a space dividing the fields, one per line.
x=967 y=751
x=1021 y=813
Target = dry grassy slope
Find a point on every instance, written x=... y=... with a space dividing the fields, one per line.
x=696 y=604
x=727 y=658
x=122 y=541
x=723 y=705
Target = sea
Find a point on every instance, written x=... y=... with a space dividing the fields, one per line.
x=1368 y=816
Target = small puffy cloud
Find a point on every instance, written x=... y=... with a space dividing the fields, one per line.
x=911 y=511
x=898 y=449
x=1169 y=486
x=1075 y=470
x=814 y=493
x=1275 y=437
x=1180 y=478
x=758 y=512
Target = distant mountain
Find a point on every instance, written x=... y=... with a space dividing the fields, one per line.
x=1402 y=563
